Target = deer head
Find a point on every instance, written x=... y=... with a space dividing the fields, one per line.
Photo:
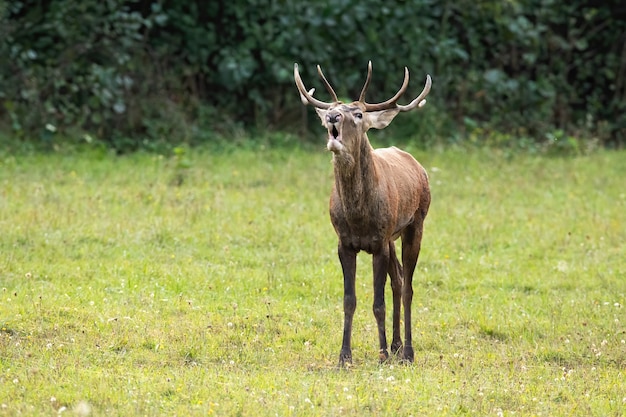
x=347 y=123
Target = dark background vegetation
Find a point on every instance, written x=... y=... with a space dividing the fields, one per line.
x=143 y=74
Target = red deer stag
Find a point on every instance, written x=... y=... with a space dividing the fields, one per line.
x=378 y=196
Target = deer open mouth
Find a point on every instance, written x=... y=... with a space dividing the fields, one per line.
x=334 y=139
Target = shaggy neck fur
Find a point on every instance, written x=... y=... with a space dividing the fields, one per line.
x=355 y=177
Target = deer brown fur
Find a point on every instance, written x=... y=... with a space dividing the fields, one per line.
x=378 y=196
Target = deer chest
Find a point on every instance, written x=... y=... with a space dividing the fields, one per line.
x=360 y=232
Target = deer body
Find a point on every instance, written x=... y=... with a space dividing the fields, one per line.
x=378 y=196
x=374 y=200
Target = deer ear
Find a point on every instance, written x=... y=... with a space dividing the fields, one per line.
x=381 y=119
x=322 y=115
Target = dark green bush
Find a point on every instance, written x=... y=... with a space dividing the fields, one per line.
x=140 y=73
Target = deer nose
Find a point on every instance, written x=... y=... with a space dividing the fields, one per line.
x=333 y=117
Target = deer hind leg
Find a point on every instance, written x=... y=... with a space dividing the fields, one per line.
x=395 y=273
x=411 y=243
x=380 y=265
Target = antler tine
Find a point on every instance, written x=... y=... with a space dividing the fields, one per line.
x=419 y=100
x=367 y=82
x=305 y=95
x=327 y=84
x=304 y=99
x=391 y=103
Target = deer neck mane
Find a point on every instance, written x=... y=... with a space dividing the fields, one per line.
x=355 y=175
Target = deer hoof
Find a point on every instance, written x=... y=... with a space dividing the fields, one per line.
x=408 y=355
x=396 y=347
x=345 y=358
x=383 y=355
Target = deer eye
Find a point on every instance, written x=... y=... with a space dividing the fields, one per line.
x=358 y=115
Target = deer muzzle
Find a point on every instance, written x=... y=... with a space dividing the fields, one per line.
x=333 y=123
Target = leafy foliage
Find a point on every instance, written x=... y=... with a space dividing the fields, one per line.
x=141 y=72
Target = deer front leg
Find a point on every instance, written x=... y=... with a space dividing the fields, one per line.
x=395 y=273
x=381 y=267
x=347 y=257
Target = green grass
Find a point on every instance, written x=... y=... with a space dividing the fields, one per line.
x=208 y=284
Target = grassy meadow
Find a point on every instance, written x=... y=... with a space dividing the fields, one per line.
x=207 y=283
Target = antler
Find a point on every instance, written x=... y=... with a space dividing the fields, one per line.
x=392 y=102
x=307 y=96
x=367 y=82
x=419 y=101
x=327 y=84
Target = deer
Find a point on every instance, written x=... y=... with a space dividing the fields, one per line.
x=378 y=196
